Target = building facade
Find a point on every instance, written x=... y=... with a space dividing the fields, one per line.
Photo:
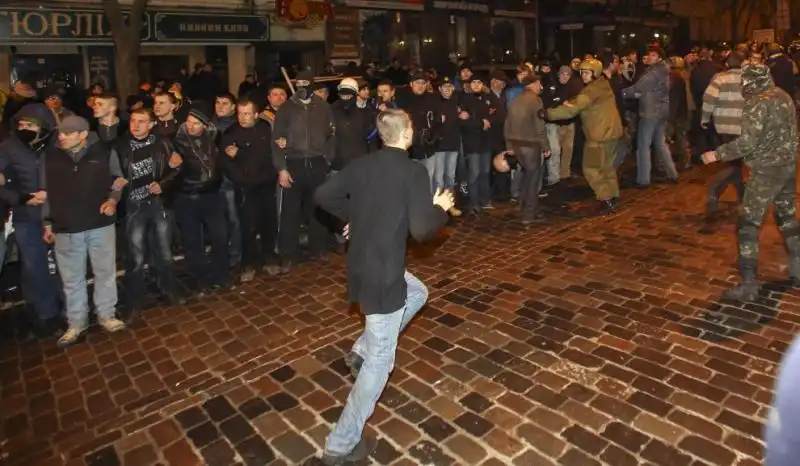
x=73 y=38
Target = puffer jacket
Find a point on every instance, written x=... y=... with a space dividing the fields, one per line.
x=21 y=164
x=652 y=90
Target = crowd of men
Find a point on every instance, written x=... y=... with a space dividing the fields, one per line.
x=232 y=179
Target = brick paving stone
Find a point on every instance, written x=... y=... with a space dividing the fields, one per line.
x=578 y=341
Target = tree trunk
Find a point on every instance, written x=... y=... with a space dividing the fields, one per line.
x=127 y=44
x=126 y=60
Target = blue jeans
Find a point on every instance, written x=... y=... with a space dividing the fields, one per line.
x=377 y=346
x=39 y=288
x=480 y=166
x=653 y=132
x=444 y=173
x=71 y=250
x=430 y=166
x=782 y=431
x=234 y=226
x=147 y=222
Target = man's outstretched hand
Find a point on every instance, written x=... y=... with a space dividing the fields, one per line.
x=444 y=199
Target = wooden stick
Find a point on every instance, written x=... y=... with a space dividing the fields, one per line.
x=288 y=81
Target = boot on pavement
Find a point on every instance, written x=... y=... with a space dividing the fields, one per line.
x=747 y=290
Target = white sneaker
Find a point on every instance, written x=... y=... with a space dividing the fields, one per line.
x=112 y=324
x=71 y=336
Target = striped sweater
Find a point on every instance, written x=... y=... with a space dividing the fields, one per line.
x=724 y=101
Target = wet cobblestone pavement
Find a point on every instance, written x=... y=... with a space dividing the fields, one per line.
x=573 y=342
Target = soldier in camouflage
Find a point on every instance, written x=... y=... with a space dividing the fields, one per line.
x=602 y=127
x=768 y=145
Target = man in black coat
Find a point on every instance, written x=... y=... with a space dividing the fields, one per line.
x=248 y=164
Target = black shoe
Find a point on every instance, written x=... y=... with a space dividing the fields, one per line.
x=360 y=452
x=353 y=361
x=608 y=206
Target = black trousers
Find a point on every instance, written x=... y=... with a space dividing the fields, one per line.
x=298 y=207
x=258 y=216
x=531 y=160
x=195 y=212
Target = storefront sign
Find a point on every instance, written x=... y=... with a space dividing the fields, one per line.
x=179 y=27
x=18 y=26
x=37 y=25
x=514 y=8
x=474 y=6
x=405 y=5
x=302 y=13
x=343 y=33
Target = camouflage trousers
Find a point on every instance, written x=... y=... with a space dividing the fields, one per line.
x=768 y=186
x=599 y=170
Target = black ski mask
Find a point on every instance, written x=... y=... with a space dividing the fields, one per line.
x=302 y=91
x=36 y=140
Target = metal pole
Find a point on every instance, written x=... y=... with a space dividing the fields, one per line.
x=571 y=44
x=538 y=48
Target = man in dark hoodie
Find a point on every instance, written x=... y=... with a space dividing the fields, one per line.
x=423 y=107
x=477 y=118
x=20 y=158
x=305 y=142
x=199 y=204
x=21 y=95
x=248 y=164
x=353 y=125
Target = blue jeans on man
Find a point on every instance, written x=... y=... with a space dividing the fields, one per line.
x=480 y=166
x=444 y=172
x=71 y=249
x=653 y=132
x=234 y=225
x=39 y=287
x=377 y=347
x=147 y=227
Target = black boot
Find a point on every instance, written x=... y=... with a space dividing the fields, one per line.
x=747 y=290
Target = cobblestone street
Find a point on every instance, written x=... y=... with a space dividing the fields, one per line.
x=574 y=342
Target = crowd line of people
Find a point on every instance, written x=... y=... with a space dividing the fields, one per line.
x=202 y=171
x=239 y=182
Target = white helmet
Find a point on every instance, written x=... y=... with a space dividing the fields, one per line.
x=349 y=84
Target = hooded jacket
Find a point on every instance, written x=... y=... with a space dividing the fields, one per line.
x=353 y=127
x=652 y=89
x=308 y=128
x=769 y=124
x=21 y=164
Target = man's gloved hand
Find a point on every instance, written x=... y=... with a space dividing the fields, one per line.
x=512 y=161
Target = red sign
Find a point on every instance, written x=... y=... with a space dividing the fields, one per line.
x=302 y=13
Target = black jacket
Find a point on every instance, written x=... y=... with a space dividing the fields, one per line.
x=201 y=168
x=384 y=197
x=71 y=210
x=426 y=116
x=473 y=137
x=21 y=164
x=166 y=128
x=701 y=77
x=564 y=92
x=353 y=127
x=252 y=165
x=550 y=87
x=450 y=133
x=498 y=112
x=309 y=130
x=161 y=152
x=782 y=72
x=120 y=131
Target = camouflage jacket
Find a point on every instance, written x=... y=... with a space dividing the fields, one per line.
x=769 y=123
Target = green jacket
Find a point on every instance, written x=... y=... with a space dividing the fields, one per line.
x=598 y=110
x=769 y=124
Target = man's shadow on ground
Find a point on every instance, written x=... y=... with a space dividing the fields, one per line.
x=725 y=319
